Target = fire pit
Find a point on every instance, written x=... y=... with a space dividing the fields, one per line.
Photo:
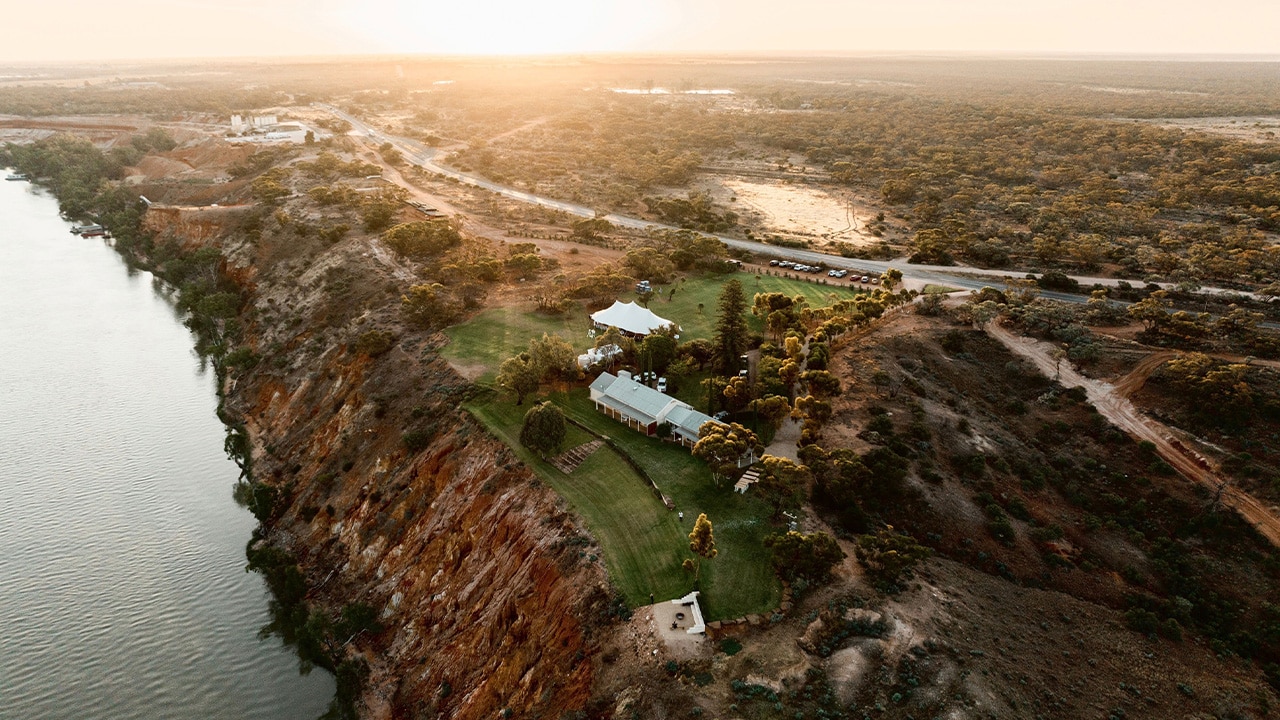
x=679 y=616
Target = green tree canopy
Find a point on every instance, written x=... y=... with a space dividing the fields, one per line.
x=731 y=326
x=722 y=445
x=783 y=483
x=554 y=358
x=810 y=557
x=422 y=239
x=544 y=428
x=429 y=306
x=772 y=409
x=820 y=383
x=649 y=263
x=518 y=375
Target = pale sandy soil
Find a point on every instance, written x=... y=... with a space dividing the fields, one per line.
x=1259 y=129
x=794 y=209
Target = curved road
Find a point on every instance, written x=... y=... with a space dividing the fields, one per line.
x=962 y=277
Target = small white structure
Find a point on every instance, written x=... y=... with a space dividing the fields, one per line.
x=596 y=355
x=691 y=601
x=630 y=318
x=266 y=128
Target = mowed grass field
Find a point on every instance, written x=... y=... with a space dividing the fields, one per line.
x=641 y=539
x=645 y=544
x=739 y=580
x=683 y=308
x=499 y=333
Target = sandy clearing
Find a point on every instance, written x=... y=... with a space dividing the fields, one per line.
x=1256 y=129
x=802 y=210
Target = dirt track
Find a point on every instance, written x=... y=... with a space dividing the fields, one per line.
x=1113 y=404
x=1137 y=377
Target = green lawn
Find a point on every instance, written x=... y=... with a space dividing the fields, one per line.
x=497 y=334
x=737 y=581
x=683 y=308
x=640 y=537
x=644 y=544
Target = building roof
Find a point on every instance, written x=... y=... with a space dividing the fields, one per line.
x=643 y=402
x=687 y=421
x=630 y=317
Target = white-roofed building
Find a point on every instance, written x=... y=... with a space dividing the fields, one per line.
x=630 y=318
x=685 y=423
x=643 y=408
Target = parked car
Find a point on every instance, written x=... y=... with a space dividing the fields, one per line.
x=662 y=384
x=773 y=263
x=866 y=279
x=722 y=415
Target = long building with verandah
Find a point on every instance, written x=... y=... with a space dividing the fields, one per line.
x=643 y=409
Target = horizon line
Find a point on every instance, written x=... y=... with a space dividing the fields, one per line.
x=1061 y=55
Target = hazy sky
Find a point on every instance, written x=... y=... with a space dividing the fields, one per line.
x=38 y=30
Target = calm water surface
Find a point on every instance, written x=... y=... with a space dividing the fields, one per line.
x=122 y=585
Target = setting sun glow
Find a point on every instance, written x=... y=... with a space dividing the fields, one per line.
x=204 y=28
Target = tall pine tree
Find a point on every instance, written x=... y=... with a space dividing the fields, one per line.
x=731 y=327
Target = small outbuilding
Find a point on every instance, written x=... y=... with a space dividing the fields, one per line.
x=596 y=355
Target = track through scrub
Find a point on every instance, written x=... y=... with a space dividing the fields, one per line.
x=1113 y=404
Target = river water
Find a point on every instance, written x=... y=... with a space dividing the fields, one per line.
x=122 y=585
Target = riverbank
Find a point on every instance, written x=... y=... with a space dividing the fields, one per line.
x=121 y=550
x=435 y=577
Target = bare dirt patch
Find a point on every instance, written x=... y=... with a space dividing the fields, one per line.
x=803 y=210
x=1257 y=129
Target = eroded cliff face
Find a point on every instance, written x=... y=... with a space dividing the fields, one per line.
x=454 y=542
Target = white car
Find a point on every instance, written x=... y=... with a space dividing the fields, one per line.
x=662 y=384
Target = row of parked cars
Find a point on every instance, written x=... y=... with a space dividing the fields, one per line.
x=799 y=267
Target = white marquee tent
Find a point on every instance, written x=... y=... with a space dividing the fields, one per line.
x=630 y=318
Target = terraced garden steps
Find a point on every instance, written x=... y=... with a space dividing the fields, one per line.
x=569 y=460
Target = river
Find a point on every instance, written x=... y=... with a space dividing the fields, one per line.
x=122 y=585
